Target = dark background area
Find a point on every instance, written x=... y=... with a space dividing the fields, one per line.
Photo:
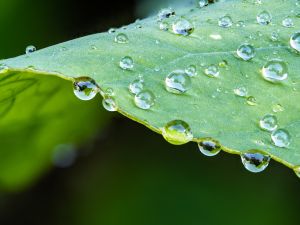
x=128 y=175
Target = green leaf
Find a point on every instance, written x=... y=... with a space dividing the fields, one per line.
x=210 y=107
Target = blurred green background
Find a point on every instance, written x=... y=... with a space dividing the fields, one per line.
x=126 y=174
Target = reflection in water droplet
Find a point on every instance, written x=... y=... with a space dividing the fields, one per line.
x=121 y=38
x=136 y=86
x=30 y=49
x=165 y=13
x=246 y=52
x=209 y=147
x=177 y=132
x=295 y=41
x=85 y=88
x=191 y=71
x=126 y=63
x=268 y=122
x=275 y=70
x=287 y=22
x=178 y=82
x=144 y=99
x=255 y=161
x=109 y=104
x=225 y=21
x=264 y=18
x=241 y=91
x=251 y=100
x=212 y=71
x=281 y=138
x=183 y=27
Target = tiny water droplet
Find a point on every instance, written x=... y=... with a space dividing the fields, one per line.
x=287 y=22
x=264 y=18
x=202 y=3
x=112 y=30
x=30 y=49
x=241 y=91
x=177 y=132
x=246 y=52
x=274 y=36
x=225 y=21
x=109 y=92
x=178 y=82
x=191 y=70
x=85 y=88
x=241 y=24
x=295 y=41
x=251 y=100
x=164 y=26
x=269 y=123
x=255 y=161
x=109 y=104
x=165 y=13
x=281 y=138
x=277 y=108
x=121 y=38
x=183 y=27
x=209 y=147
x=212 y=71
x=136 y=86
x=144 y=99
x=275 y=70
x=126 y=63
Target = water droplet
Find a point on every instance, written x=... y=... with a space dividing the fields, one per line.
x=121 y=38
x=202 y=3
x=281 y=138
x=209 y=147
x=264 y=18
x=275 y=70
x=287 y=22
x=191 y=70
x=109 y=92
x=178 y=82
x=251 y=100
x=241 y=91
x=85 y=88
x=295 y=41
x=183 y=27
x=177 y=132
x=268 y=123
x=277 y=108
x=165 y=13
x=144 y=99
x=164 y=26
x=30 y=49
x=112 y=30
x=255 y=161
x=246 y=52
x=126 y=63
x=225 y=21
x=109 y=104
x=274 y=36
x=212 y=71
x=241 y=24
x=136 y=86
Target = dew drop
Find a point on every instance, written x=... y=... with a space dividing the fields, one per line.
x=121 y=38
x=30 y=49
x=241 y=24
x=255 y=161
x=251 y=100
x=209 y=147
x=112 y=30
x=212 y=71
x=225 y=21
x=183 y=27
x=269 y=123
x=246 y=52
x=178 y=82
x=177 y=132
x=281 y=138
x=109 y=104
x=264 y=18
x=274 y=36
x=165 y=13
x=136 y=86
x=191 y=70
x=202 y=3
x=287 y=22
x=126 y=63
x=144 y=99
x=241 y=91
x=85 y=88
x=277 y=108
x=275 y=70
x=295 y=41
x=164 y=26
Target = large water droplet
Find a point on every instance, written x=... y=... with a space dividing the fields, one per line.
x=281 y=138
x=165 y=13
x=255 y=161
x=144 y=100
x=264 y=18
x=109 y=104
x=225 y=21
x=126 y=63
x=212 y=71
x=177 y=132
x=121 y=38
x=136 y=86
x=178 y=82
x=246 y=52
x=202 y=3
x=30 y=49
x=295 y=41
x=85 y=88
x=209 y=147
x=268 y=122
x=275 y=70
x=183 y=27
x=287 y=22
